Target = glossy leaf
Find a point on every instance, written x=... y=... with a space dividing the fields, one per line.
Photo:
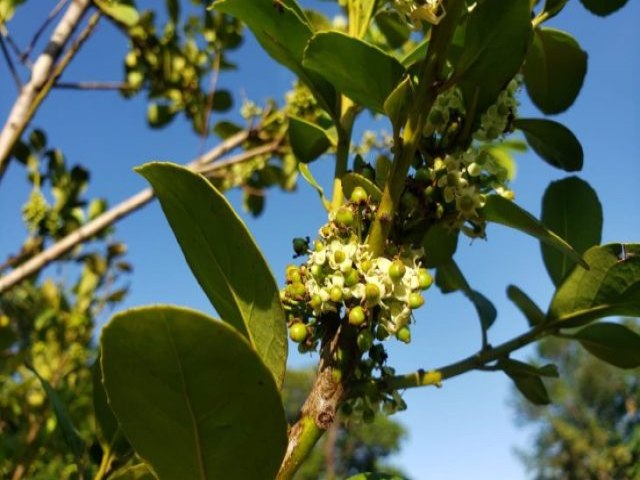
x=553 y=142
x=531 y=386
x=610 y=287
x=439 y=243
x=283 y=30
x=612 y=343
x=397 y=105
x=123 y=12
x=507 y=213
x=357 y=69
x=529 y=309
x=192 y=396
x=394 y=28
x=111 y=436
x=496 y=41
x=135 y=472
x=603 y=7
x=224 y=259
x=554 y=70
x=450 y=278
x=520 y=368
x=571 y=208
x=418 y=53
x=308 y=141
x=352 y=180
x=68 y=431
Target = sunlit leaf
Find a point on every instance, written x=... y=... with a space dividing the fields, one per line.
x=224 y=259
x=123 y=11
x=192 y=396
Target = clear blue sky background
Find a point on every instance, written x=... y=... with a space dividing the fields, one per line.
x=464 y=430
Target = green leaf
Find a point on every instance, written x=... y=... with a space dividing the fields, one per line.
x=69 y=433
x=555 y=143
x=520 y=368
x=612 y=343
x=529 y=309
x=111 y=436
x=418 y=53
x=554 y=70
x=507 y=213
x=439 y=243
x=225 y=129
x=376 y=476
x=357 y=69
x=352 y=180
x=224 y=259
x=283 y=31
x=553 y=7
x=450 y=278
x=135 y=472
x=394 y=28
x=123 y=12
x=397 y=104
x=603 y=7
x=173 y=9
x=496 y=41
x=531 y=386
x=610 y=287
x=308 y=141
x=222 y=101
x=571 y=208
x=159 y=115
x=192 y=396
x=308 y=176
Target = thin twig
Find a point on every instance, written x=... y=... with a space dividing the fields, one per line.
x=12 y=67
x=14 y=46
x=209 y=170
x=38 y=86
x=108 y=218
x=42 y=28
x=93 y=86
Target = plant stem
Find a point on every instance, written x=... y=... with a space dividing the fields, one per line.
x=347 y=118
x=430 y=77
x=42 y=78
x=423 y=378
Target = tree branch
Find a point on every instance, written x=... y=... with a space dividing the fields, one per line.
x=93 y=86
x=38 y=86
x=41 y=29
x=109 y=217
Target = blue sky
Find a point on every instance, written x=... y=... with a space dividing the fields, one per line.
x=464 y=430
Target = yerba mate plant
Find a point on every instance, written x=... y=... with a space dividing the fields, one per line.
x=200 y=398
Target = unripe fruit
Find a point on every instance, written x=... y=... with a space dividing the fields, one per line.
x=298 y=289
x=404 y=335
x=300 y=246
x=397 y=270
x=298 y=332
x=357 y=316
x=318 y=246
x=371 y=293
x=416 y=300
x=339 y=256
x=335 y=294
x=344 y=216
x=364 y=340
x=352 y=278
x=359 y=195
x=422 y=175
x=425 y=280
x=316 y=271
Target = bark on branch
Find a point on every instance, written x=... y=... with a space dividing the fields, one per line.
x=43 y=69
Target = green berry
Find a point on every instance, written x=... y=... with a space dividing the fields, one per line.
x=339 y=256
x=316 y=271
x=352 y=278
x=371 y=293
x=423 y=175
x=416 y=300
x=364 y=340
x=344 y=217
x=318 y=246
x=359 y=195
x=298 y=289
x=404 y=335
x=298 y=332
x=335 y=294
x=300 y=246
x=357 y=316
x=428 y=191
x=425 y=280
x=292 y=272
x=397 y=270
